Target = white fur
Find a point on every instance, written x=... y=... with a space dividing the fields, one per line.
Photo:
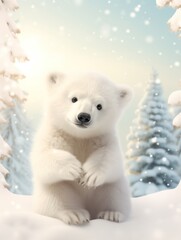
x=78 y=172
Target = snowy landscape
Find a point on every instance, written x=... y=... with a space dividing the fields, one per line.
x=153 y=152
x=154 y=217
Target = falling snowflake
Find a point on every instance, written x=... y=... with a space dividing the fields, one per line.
x=114 y=29
x=164 y=159
x=78 y=2
x=107 y=12
x=157 y=81
x=154 y=140
x=177 y=64
x=137 y=8
x=149 y=39
x=105 y=31
x=132 y=14
x=147 y=22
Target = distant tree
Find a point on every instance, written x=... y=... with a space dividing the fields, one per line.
x=152 y=151
x=10 y=53
x=17 y=134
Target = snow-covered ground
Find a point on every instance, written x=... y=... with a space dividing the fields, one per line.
x=155 y=217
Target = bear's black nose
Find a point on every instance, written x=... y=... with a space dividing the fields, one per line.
x=84 y=117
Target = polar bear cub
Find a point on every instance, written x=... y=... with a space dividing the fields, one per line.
x=76 y=158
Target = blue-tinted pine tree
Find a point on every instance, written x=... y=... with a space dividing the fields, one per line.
x=17 y=134
x=152 y=149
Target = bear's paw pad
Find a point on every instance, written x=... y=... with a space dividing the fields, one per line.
x=74 y=217
x=111 y=216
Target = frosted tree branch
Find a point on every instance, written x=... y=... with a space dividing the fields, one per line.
x=175 y=21
x=3 y=173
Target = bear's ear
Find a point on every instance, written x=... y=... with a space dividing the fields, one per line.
x=55 y=78
x=125 y=93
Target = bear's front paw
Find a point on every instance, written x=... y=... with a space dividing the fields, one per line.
x=72 y=170
x=92 y=177
x=78 y=216
x=111 y=216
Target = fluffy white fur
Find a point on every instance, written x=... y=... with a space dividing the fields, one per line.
x=78 y=172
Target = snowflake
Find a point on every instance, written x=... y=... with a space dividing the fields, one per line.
x=61 y=28
x=149 y=39
x=105 y=31
x=137 y=8
x=154 y=140
x=139 y=51
x=132 y=14
x=114 y=29
x=177 y=64
x=107 y=12
x=147 y=22
x=177 y=51
x=128 y=30
x=157 y=81
x=78 y=2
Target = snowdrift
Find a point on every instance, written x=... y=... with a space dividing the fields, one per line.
x=154 y=217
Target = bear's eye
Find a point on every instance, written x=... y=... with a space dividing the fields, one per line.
x=74 y=99
x=99 y=107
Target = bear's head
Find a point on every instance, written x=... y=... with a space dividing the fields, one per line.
x=85 y=105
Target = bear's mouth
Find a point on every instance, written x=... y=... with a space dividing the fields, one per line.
x=81 y=125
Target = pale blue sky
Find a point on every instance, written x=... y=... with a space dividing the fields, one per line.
x=121 y=38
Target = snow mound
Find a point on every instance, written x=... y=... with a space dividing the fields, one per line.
x=175 y=98
x=154 y=217
x=177 y=120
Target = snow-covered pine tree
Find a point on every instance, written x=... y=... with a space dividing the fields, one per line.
x=10 y=52
x=152 y=151
x=17 y=134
